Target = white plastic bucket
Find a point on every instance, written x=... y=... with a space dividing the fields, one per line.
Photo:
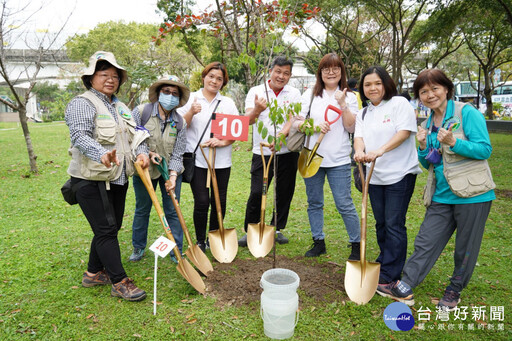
x=279 y=303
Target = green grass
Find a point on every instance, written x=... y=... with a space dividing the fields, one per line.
x=44 y=245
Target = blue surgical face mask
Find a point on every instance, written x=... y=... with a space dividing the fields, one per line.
x=168 y=102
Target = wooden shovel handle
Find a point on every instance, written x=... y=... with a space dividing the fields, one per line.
x=215 y=188
x=365 y=184
x=146 y=180
x=177 y=208
x=208 y=175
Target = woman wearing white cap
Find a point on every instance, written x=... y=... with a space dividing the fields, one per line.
x=197 y=112
x=168 y=140
x=101 y=128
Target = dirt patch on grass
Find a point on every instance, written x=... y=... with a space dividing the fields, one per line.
x=238 y=283
x=504 y=193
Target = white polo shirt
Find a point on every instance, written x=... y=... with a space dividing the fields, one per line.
x=287 y=95
x=199 y=122
x=380 y=124
x=335 y=147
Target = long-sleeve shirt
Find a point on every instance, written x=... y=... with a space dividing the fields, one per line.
x=80 y=117
x=175 y=162
x=477 y=146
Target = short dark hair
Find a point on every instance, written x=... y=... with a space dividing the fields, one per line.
x=101 y=65
x=387 y=82
x=352 y=83
x=216 y=66
x=406 y=95
x=281 y=61
x=433 y=76
x=329 y=60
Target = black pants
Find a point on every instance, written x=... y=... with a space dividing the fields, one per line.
x=105 y=252
x=204 y=199
x=286 y=175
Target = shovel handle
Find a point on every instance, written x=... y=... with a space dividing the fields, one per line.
x=146 y=179
x=364 y=204
x=266 y=165
x=335 y=109
x=326 y=118
x=215 y=189
x=177 y=208
x=208 y=175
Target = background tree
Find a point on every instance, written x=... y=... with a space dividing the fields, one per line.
x=134 y=49
x=489 y=38
x=15 y=26
x=439 y=36
x=402 y=16
x=238 y=29
x=349 y=32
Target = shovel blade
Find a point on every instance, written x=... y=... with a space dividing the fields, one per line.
x=191 y=275
x=260 y=239
x=361 y=280
x=199 y=259
x=224 y=248
x=309 y=164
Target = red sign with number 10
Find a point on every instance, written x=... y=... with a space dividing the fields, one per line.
x=230 y=127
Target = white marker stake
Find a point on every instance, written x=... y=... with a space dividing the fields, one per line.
x=161 y=247
x=154 y=284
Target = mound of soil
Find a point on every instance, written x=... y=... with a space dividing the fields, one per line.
x=238 y=283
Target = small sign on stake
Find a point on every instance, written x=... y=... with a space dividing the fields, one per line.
x=161 y=247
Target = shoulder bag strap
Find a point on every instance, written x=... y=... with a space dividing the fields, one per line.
x=364 y=112
x=146 y=114
x=206 y=128
x=306 y=142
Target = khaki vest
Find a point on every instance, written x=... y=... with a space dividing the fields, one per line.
x=111 y=135
x=466 y=177
x=158 y=142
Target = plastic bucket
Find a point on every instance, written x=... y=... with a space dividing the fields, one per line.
x=279 y=303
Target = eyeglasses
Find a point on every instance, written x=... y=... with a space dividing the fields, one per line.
x=328 y=70
x=106 y=76
x=170 y=92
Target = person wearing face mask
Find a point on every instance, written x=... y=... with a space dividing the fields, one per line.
x=168 y=140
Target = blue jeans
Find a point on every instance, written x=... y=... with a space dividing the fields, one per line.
x=389 y=205
x=143 y=205
x=339 y=180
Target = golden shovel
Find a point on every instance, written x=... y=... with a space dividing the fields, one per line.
x=309 y=160
x=361 y=276
x=260 y=237
x=184 y=267
x=194 y=253
x=223 y=242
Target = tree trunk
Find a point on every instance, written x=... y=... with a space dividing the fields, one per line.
x=488 y=93
x=32 y=157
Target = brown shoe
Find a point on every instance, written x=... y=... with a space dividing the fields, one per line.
x=127 y=290
x=99 y=278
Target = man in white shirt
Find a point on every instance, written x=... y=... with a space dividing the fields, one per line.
x=256 y=108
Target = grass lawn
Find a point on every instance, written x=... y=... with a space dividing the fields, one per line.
x=44 y=246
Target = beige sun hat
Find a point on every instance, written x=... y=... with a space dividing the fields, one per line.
x=169 y=80
x=109 y=57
